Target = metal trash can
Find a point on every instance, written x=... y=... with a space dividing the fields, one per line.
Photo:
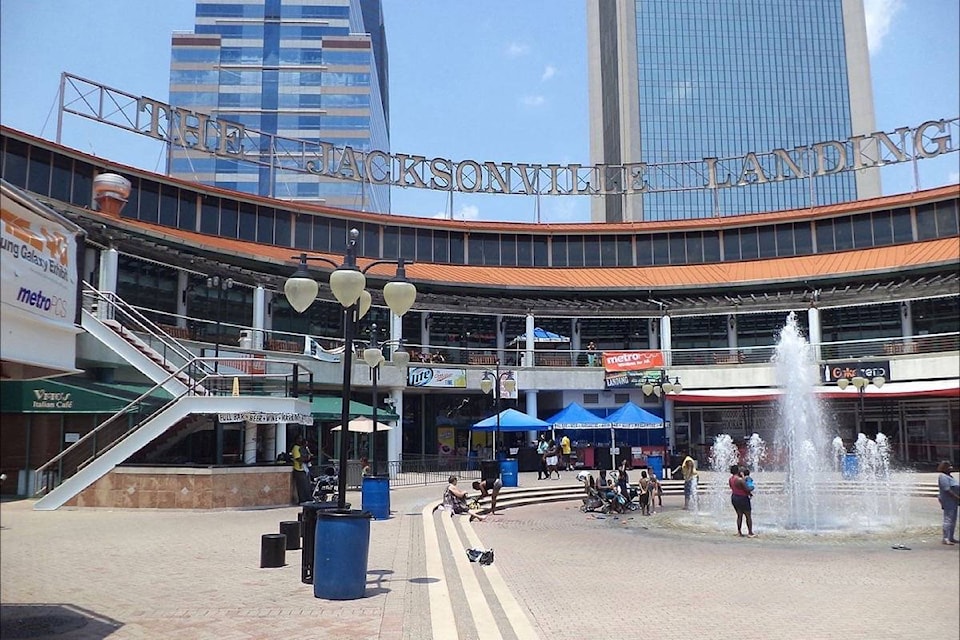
x=509 y=475
x=246 y=339
x=851 y=466
x=490 y=469
x=308 y=530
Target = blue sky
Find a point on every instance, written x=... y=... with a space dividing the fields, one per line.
x=497 y=80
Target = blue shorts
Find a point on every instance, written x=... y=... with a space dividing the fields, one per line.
x=740 y=503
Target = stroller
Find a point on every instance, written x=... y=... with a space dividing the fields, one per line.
x=325 y=484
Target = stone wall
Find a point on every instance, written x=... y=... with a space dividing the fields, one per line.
x=189 y=488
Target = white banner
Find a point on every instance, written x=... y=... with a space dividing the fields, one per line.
x=265 y=417
x=38 y=264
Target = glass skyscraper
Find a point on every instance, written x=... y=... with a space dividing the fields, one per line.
x=313 y=70
x=683 y=80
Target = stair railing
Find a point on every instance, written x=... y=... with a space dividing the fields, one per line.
x=108 y=306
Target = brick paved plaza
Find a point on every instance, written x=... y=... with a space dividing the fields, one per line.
x=559 y=573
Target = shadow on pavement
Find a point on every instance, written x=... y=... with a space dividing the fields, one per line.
x=63 y=621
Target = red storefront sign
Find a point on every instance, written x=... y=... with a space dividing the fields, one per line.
x=632 y=360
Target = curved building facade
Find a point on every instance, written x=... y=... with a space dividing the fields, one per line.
x=874 y=284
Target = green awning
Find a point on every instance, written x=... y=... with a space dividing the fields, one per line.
x=50 y=396
x=327 y=408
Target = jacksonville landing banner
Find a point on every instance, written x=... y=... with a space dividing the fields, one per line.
x=206 y=133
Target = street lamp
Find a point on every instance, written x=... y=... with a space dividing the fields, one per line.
x=662 y=387
x=498 y=382
x=221 y=285
x=860 y=383
x=347 y=284
x=373 y=356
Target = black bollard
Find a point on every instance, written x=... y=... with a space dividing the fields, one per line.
x=272 y=550
x=291 y=529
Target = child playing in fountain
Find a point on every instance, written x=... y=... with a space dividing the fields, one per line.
x=747 y=480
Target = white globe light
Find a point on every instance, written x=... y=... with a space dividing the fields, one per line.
x=300 y=291
x=399 y=296
x=346 y=285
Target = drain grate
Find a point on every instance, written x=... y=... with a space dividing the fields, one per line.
x=39 y=626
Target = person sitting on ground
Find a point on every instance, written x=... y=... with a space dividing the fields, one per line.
x=589 y=482
x=491 y=486
x=455 y=499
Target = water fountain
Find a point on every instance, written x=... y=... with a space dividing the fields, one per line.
x=809 y=483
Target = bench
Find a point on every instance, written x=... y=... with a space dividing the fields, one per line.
x=728 y=358
x=898 y=348
x=288 y=346
x=552 y=360
x=179 y=333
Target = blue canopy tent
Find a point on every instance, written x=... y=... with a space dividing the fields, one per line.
x=540 y=336
x=630 y=416
x=509 y=420
x=574 y=417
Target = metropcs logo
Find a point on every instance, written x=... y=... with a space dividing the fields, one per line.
x=55 y=305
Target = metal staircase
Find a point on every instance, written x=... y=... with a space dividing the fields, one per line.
x=194 y=384
x=140 y=342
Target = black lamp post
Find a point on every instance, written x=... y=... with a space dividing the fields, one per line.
x=860 y=383
x=497 y=382
x=347 y=283
x=661 y=387
x=221 y=285
x=373 y=356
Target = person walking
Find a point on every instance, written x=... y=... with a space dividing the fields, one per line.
x=949 y=495
x=566 y=450
x=740 y=498
x=542 y=452
x=552 y=458
x=300 y=456
x=689 y=470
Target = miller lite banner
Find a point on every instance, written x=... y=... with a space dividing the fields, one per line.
x=632 y=360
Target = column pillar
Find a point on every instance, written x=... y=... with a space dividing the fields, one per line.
x=531 y=397
x=665 y=339
x=183 y=280
x=249 y=442
x=528 y=355
x=109 y=259
x=395 y=435
x=259 y=315
x=813 y=328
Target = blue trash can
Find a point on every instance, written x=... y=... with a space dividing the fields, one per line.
x=655 y=464
x=375 y=496
x=340 y=554
x=851 y=466
x=509 y=472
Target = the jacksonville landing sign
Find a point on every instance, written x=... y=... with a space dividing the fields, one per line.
x=198 y=131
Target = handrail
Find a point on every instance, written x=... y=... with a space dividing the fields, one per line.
x=106 y=435
x=134 y=320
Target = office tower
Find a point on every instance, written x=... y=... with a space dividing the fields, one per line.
x=673 y=81
x=312 y=70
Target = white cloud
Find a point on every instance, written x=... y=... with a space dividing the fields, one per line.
x=516 y=49
x=468 y=212
x=548 y=73
x=879 y=15
x=533 y=101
